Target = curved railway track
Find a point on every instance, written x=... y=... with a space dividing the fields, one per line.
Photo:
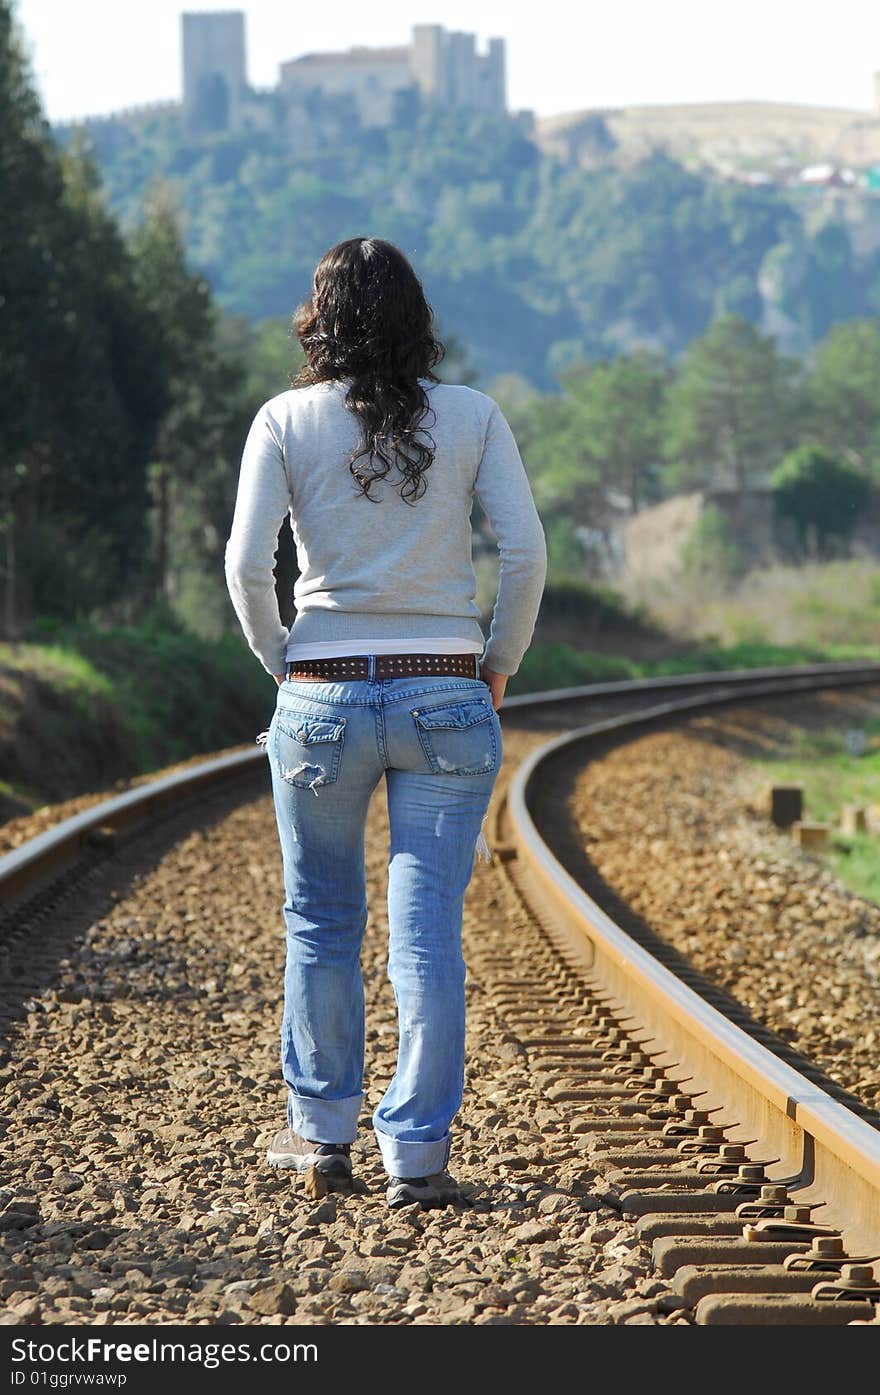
x=756 y=1187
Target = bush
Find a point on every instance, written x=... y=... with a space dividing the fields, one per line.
x=817 y=497
x=596 y=607
x=565 y=555
x=548 y=666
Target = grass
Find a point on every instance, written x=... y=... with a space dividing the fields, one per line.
x=109 y=704
x=832 y=777
x=561 y=665
x=823 y=603
x=180 y=694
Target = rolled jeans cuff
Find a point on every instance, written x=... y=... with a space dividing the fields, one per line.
x=324 y=1121
x=403 y=1159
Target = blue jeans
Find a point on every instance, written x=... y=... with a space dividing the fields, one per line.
x=437 y=740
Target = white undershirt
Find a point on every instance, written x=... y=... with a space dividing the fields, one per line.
x=330 y=649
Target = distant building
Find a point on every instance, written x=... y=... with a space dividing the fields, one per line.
x=371 y=78
x=375 y=86
x=449 y=70
x=214 y=71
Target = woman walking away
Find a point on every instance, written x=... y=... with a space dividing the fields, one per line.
x=385 y=672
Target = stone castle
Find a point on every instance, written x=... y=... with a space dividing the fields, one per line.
x=376 y=87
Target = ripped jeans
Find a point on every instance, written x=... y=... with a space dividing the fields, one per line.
x=437 y=741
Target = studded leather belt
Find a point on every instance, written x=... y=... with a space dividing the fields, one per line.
x=357 y=666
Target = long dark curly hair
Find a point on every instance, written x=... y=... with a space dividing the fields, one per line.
x=367 y=319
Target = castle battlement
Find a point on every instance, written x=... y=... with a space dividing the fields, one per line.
x=437 y=67
x=130 y=115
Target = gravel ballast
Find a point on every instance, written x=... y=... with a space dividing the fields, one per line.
x=676 y=824
x=141 y=1087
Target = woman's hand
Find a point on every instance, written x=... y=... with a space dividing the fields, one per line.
x=497 y=682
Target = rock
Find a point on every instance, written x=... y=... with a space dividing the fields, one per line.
x=652 y=1288
x=494 y=1296
x=535 y=1233
x=29 y=1311
x=383 y=1276
x=184 y=1264
x=349 y=1281
x=563 y=1311
x=631 y=1307
x=324 y=1214
x=273 y=1298
x=14 y=1219
x=548 y=1205
x=10 y=1287
x=599 y=1234
x=613 y=1280
x=671 y=1303
x=68 y=1182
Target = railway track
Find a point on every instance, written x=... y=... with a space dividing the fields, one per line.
x=60 y=854
x=757 y=1190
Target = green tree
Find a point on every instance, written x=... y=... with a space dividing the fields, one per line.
x=558 y=458
x=843 y=393
x=207 y=411
x=831 y=285
x=565 y=554
x=818 y=496
x=619 y=410
x=31 y=185
x=117 y=390
x=30 y=190
x=268 y=351
x=730 y=409
x=79 y=387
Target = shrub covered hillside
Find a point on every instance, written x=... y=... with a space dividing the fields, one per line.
x=532 y=262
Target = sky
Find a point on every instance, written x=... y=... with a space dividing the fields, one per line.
x=89 y=57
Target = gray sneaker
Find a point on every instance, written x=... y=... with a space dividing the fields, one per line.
x=287 y=1149
x=440 y=1189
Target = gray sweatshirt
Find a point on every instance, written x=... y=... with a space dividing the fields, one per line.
x=389 y=568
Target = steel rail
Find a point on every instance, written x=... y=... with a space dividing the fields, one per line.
x=50 y=854
x=826 y=1155
x=856 y=671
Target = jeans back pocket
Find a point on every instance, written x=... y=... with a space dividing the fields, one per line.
x=307 y=747
x=459 y=738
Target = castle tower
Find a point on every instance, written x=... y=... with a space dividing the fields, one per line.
x=461 y=48
x=449 y=71
x=428 y=61
x=494 y=77
x=214 y=70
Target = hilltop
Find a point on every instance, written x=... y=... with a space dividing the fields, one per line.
x=776 y=139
